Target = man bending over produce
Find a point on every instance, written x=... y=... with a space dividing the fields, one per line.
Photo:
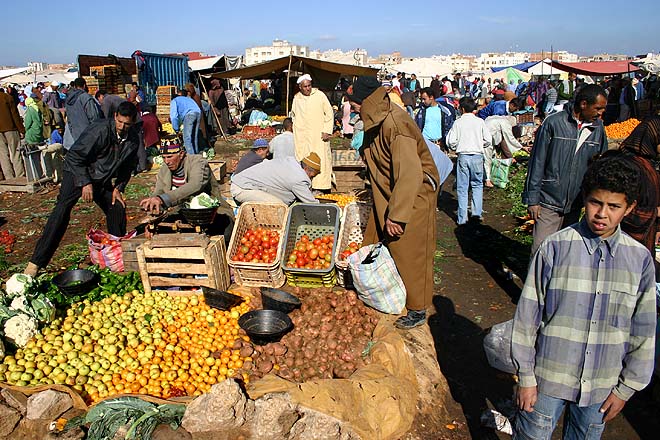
x=405 y=184
x=186 y=176
x=105 y=150
x=282 y=180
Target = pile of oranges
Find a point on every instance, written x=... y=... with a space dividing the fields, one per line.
x=195 y=351
x=621 y=130
x=341 y=199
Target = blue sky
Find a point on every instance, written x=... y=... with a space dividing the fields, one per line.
x=415 y=28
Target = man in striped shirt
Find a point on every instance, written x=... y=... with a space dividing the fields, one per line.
x=583 y=333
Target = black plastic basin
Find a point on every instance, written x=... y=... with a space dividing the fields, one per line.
x=276 y=299
x=219 y=299
x=265 y=326
x=199 y=217
x=76 y=282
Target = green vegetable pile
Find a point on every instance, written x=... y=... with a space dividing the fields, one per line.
x=107 y=417
x=109 y=283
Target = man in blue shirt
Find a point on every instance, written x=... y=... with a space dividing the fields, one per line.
x=184 y=110
x=431 y=123
x=502 y=108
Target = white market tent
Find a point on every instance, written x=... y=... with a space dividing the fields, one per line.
x=650 y=63
x=544 y=68
x=5 y=73
x=46 y=76
x=425 y=68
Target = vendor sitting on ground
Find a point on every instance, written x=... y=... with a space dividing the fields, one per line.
x=255 y=156
x=283 y=180
x=184 y=176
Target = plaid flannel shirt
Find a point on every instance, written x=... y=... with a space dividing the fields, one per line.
x=585 y=323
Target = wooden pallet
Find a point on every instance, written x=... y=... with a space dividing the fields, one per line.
x=21 y=184
x=178 y=261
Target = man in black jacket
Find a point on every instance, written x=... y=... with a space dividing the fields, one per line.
x=106 y=150
x=564 y=145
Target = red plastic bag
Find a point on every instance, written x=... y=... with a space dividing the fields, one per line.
x=105 y=249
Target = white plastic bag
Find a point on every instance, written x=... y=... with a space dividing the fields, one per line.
x=497 y=345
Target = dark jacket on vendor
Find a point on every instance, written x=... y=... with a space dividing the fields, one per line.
x=99 y=155
x=81 y=110
x=199 y=178
x=559 y=160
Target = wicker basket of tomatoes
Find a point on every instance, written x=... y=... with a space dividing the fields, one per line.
x=351 y=235
x=311 y=234
x=255 y=248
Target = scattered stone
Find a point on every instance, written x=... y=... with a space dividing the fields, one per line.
x=274 y=416
x=223 y=409
x=48 y=405
x=15 y=399
x=29 y=430
x=165 y=432
x=320 y=426
x=9 y=418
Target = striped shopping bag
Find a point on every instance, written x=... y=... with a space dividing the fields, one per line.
x=376 y=279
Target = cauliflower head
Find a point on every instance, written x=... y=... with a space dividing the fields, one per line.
x=20 y=329
x=20 y=303
x=18 y=284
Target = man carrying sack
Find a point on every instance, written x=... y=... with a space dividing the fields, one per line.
x=405 y=187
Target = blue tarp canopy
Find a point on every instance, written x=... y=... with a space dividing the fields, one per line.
x=522 y=66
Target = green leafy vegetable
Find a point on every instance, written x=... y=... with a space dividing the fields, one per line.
x=203 y=200
x=141 y=418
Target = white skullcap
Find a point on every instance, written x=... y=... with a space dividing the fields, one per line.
x=303 y=78
x=55 y=83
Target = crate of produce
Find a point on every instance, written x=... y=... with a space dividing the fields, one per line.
x=128 y=254
x=311 y=234
x=526 y=118
x=354 y=223
x=184 y=261
x=255 y=130
x=264 y=271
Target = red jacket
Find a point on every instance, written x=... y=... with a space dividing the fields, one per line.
x=151 y=127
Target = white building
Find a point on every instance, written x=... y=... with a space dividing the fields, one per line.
x=37 y=66
x=279 y=49
x=357 y=57
x=496 y=59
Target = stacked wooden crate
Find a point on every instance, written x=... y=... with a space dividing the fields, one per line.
x=184 y=261
x=109 y=77
x=163 y=99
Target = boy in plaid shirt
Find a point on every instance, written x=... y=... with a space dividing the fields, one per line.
x=584 y=330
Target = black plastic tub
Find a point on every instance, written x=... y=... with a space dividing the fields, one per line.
x=276 y=299
x=76 y=282
x=265 y=326
x=219 y=299
x=199 y=217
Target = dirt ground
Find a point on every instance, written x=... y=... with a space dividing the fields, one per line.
x=478 y=270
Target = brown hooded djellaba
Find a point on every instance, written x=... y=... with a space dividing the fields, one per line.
x=404 y=181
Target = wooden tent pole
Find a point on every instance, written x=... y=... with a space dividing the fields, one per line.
x=217 y=119
x=288 y=75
